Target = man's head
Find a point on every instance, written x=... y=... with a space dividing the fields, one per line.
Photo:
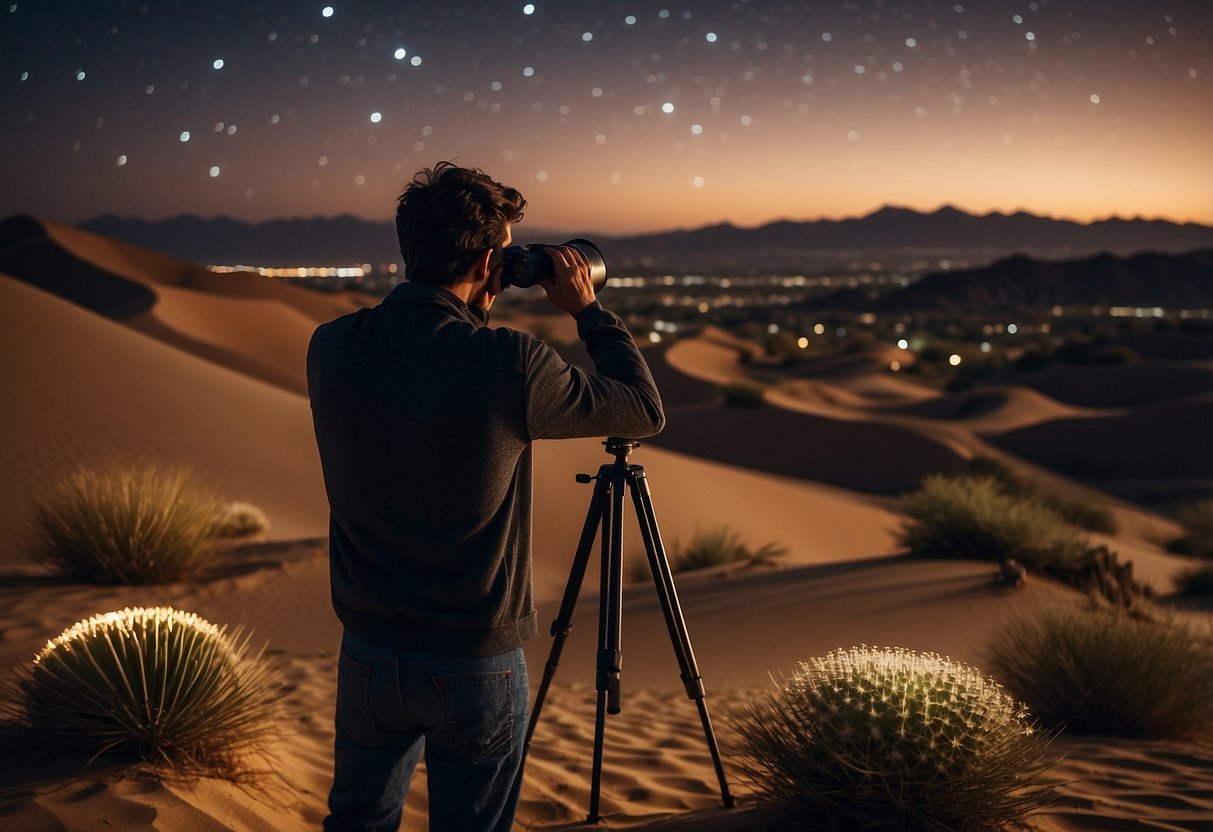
x=448 y=217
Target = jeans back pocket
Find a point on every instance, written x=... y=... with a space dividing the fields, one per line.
x=479 y=712
x=354 y=697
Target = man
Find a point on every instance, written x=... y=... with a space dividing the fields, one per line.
x=424 y=419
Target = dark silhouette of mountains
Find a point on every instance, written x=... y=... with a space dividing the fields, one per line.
x=893 y=236
x=1150 y=279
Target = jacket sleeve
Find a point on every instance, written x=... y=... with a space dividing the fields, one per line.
x=620 y=399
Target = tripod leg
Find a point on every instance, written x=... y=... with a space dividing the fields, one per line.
x=563 y=623
x=611 y=512
x=664 y=581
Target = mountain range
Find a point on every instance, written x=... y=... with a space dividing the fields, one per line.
x=1150 y=279
x=892 y=238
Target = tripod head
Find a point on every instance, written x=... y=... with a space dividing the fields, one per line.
x=620 y=447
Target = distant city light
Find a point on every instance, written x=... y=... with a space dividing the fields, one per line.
x=529 y=8
x=954 y=360
x=903 y=344
x=185 y=135
x=802 y=342
x=819 y=329
x=894 y=365
x=218 y=64
x=121 y=160
x=667 y=107
x=214 y=171
x=327 y=11
x=376 y=118
x=399 y=54
x=1012 y=328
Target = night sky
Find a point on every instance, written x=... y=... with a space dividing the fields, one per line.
x=609 y=116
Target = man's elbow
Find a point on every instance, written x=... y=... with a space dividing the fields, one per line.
x=655 y=422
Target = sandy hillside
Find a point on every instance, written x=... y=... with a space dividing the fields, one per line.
x=815 y=471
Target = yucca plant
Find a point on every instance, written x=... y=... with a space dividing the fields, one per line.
x=126 y=525
x=152 y=684
x=975 y=518
x=239 y=520
x=892 y=739
x=1100 y=670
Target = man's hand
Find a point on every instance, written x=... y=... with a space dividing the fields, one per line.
x=570 y=289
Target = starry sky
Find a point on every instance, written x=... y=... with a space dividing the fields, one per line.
x=609 y=116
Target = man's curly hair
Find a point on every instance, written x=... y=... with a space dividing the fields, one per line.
x=446 y=218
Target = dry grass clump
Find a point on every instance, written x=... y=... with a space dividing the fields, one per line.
x=711 y=547
x=976 y=518
x=158 y=685
x=1078 y=513
x=1103 y=671
x=126 y=525
x=718 y=546
x=892 y=739
x=239 y=520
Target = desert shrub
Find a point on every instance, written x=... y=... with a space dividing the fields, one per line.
x=975 y=518
x=1084 y=515
x=711 y=547
x=126 y=525
x=237 y=520
x=1102 y=671
x=157 y=684
x=897 y=740
x=1100 y=573
x=720 y=545
x=742 y=394
x=1076 y=512
x=1195 y=580
x=1197 y=520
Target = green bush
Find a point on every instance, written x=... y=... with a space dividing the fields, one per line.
x=1197 y=520
x=892 y=739
x=1102 y=671
x=239 y=520
x=126 y=525
x=1076 y=512
x=975 y=518
x=157 y=685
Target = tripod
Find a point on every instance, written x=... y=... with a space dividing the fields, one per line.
x=608 y=513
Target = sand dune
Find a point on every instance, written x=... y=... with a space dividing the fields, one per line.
x=813 y=472
x=1130 y=385
x=1167 y=440
x=81 y=390
x=254 y=325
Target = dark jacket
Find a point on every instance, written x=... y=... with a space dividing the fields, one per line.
x=424 y=418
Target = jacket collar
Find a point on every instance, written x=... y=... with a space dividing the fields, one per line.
x=427 y=294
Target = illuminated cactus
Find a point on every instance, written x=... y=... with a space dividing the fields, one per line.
x=893 y=739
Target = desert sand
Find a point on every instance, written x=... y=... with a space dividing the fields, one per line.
x=208 y=373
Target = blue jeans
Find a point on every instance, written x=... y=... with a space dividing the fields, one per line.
x=468 y=715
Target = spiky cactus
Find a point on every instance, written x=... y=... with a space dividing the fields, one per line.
x=894 y=739
x=158 y=684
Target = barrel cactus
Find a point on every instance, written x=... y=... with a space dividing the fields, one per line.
x=894 y=739
x=154 y=684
